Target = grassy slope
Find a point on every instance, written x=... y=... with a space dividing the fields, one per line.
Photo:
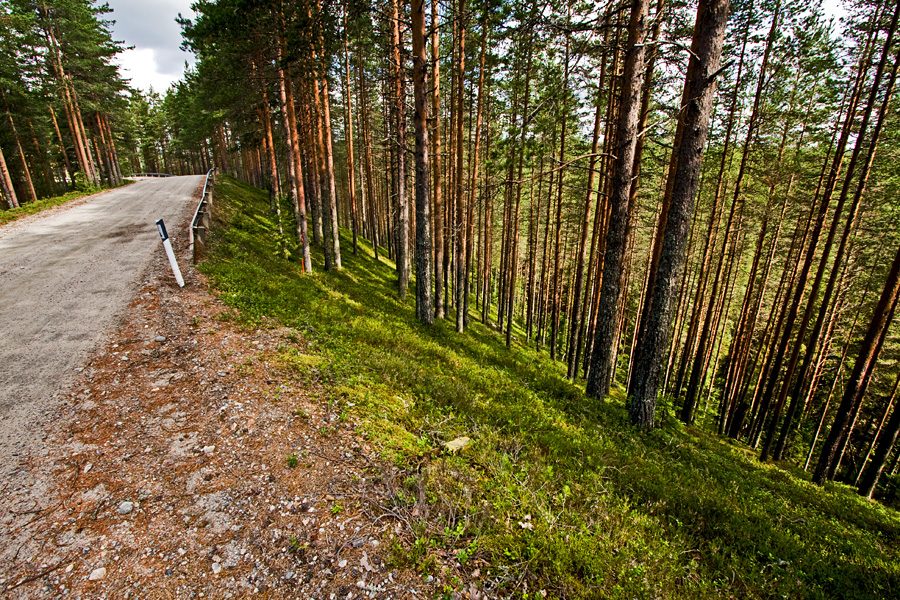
x=30 y=208
x=556 y=487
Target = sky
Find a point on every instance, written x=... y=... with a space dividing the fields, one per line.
x=156 y=60
x=149 y=25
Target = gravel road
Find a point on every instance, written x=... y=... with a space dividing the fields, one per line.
x=65 y=278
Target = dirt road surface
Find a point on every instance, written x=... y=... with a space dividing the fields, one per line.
x=64 y=278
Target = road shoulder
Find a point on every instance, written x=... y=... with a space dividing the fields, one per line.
x=188 y=458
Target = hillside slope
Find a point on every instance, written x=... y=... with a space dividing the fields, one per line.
x=556 y=495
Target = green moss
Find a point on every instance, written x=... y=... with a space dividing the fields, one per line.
x=557 y=490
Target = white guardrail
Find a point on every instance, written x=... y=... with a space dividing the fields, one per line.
x=200 y=222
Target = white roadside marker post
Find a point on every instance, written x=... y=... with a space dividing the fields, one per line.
x=168 y=246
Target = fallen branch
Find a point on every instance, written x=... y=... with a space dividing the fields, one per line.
x=38 y=576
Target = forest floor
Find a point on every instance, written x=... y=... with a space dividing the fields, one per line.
x=191 y=461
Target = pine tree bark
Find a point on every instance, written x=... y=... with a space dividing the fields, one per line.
x=367 y=155
x=514 y=225
x=25 y=170
x=265 y=117
x=437 y=187
x=62 y=146
x=800 y=289
x=329 y=200
x=460 y=258
x=877 y=433
x=557 y=251
x=296 y=171
x=602 y=371
x=348 y=142
x=9 y=192
x=835 y=270
x=706 y=50
x=601 y=222
x=697 y=373
x=575 y=328
x=72 y=115
x=473 y=178
x=886 y=442
x=399 y=73
x=424 y=308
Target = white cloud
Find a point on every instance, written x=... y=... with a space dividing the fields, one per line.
x=140 y=66
x=149 y=26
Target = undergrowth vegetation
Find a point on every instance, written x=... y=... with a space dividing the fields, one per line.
x=557 y=496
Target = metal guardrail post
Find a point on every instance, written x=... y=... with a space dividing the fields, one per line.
x=201 y=222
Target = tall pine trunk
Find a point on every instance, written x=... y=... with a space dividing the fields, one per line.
x=424 y=308
x=706 y=50
x=296 y=170
x=6 y=184
x=835 y=270
x=399 y=115
x=459 y=178
x=437 y=188
x=602 y=371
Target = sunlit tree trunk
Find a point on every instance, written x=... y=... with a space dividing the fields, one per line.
x=424 y=308
x=459 y=178
x=706 y=50
x=9 y=192
x=297 y=191
x=602 y=369
x=437 y=188
x=399 y=73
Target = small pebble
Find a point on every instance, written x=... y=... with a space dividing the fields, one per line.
x=125 y=508
x=160 y=338
x=208 y=449
x=217 y=568
x=97 y=574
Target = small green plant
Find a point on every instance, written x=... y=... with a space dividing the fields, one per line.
x=337 y=509
x=296 y=545
x=464 y=554
x=83 y=185
x=292 y=460
x=300 y=413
